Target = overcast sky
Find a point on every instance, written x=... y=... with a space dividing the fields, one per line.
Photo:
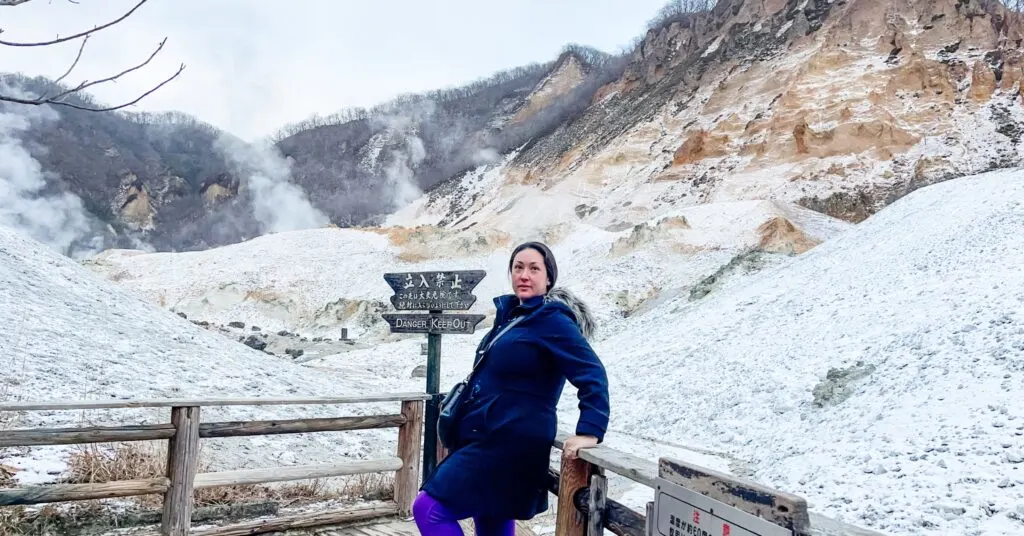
x=254 y=65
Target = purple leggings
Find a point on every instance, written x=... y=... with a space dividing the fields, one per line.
x=434 y=519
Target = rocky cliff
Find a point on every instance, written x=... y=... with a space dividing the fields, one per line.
x=841 y=107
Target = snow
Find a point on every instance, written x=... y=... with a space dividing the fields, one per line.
x=40 y=465
x=929 y=292
x=920 y=308
x=247 y=282
x=712 y=47
x=784 y=28
x=70 y=335
x=480 y=182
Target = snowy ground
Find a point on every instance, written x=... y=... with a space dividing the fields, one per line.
x=927 y=298
x=70 y=335
x=74 y=335
x=879 y=375
x=316 y=281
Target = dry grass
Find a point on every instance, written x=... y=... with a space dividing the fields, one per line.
x=47 y=520
x=133 y=461
x=98 y=463
x=6 y=476
x=124 y=461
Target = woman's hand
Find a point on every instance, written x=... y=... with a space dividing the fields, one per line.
x=575 y=443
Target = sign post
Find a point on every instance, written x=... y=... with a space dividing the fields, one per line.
x=434 y=292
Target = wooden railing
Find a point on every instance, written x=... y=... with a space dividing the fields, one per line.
x=584 y=508
x=183 y=434
x=580 y=484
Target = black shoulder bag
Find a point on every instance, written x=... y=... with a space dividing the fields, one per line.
x=450 y=404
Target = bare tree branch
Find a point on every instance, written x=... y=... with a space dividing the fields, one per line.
x=74 y=63
x=70 y=37
x=85 y=85
x=60 y=98
x=51 y=100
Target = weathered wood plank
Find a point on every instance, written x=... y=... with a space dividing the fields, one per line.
x=632 y=467
x=210 y=402
x=646 y=472
x=522 y=528
x=82 y=492
x=598 y=494
x=298 y=426
x=410 y=441
x=182 y=463
x=298 y=472
x=649 y=515
x=133 y=520
x=618 y=519
x=78 y=436
x=574 y=475
x=779 y=507
x=315 y=519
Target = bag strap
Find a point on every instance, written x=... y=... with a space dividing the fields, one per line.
x=483 y=353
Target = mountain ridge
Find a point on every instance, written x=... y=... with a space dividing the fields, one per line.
x=838 y=125
x=841 y=107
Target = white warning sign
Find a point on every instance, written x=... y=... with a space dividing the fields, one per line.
x=682 y=512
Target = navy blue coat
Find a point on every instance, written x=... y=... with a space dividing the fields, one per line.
x=498 y=465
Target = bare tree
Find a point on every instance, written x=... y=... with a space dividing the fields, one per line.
x=60 y=97
x=675 y=10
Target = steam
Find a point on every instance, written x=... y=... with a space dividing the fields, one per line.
x=408 y=151
x=486 y=156
x=401 y=178
x=278 y=204
x=60 y=220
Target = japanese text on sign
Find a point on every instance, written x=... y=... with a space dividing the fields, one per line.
x=434 y=291
x=679 y=511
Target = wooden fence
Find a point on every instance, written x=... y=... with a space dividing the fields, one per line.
x=584 y=508
x=183 y=433
x=581 y=486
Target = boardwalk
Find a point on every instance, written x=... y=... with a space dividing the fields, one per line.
x=386 y=528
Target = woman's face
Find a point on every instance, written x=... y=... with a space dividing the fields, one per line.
x=529 y=276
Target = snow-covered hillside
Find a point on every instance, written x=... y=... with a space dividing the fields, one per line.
x=317 y=281
x=880 y=375
x=70 y=335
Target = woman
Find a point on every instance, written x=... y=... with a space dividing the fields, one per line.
x=498 y=465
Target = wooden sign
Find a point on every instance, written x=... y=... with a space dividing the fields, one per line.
x=432 y=323
x=690 y=499
x=434 y=291
x=679 y=511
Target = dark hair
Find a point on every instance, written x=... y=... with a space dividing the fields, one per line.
x=549 y=260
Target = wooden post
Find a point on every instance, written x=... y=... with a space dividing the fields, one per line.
x=596 y=503
x=182 y=463
x=574 y=475
x=409 y=442
x=430 y=441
